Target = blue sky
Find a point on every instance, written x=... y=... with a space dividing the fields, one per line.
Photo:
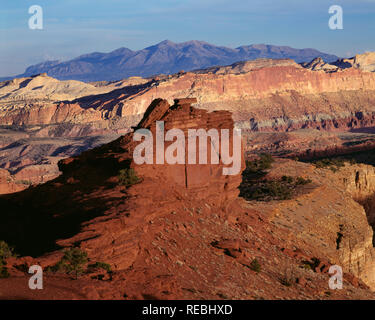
x=74 y=27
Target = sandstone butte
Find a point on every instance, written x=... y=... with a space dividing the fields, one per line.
x=182 y=232
x=309 y=107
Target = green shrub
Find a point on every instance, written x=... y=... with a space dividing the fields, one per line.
x=100 y=265
x=127 y=177
x=288 y=179
x=255 y=266
x=268 y=190
x=312 y=265
x=3 y=270
x=25 y=182
x=334 y=164
x=271 y=190
x=302 y=181
x=258 y=166
x=306 y=266
x=72 y=262
x=5 y=252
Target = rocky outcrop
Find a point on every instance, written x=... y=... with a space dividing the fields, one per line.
x=269 y=98
x=41 y=87
x=360 y=182
x=365 y=62
x=328 y=219
x=181 y=182
x=182 y=231
x=319 y=64
x=263 y=95
x=8 y=184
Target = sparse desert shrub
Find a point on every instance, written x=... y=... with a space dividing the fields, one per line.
x=258 y=166
x=334 y=164
x=3 y=270
x=100 y=265
x=268 y=190
x=127 y=177
x=302 y=181
x=312 y=264
x=306 y=266
x=255 y=266
x=271 y=190
x=5 y=252
x=25 y=182
x=72 y=262
x=288 y=179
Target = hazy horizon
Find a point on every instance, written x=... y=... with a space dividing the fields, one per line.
x=75 y=27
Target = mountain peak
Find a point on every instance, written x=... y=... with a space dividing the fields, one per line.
x=166 y=43
x=166 y=57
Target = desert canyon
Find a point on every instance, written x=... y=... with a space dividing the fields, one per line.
x=185 y=231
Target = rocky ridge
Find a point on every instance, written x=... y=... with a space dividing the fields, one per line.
x=182 y=231
x=165 y=57
x=265 y=96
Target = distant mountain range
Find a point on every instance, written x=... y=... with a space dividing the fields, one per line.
x=164 y=58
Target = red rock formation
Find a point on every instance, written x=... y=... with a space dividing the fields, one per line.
x=8 y=183
x=263 y=95
x=166 y=239
x=181 y=182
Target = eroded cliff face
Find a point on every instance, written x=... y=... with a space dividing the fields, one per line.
x=264 y=95
x=270 y=98
x=357 y=252
x=8 y=183
x=183 y=233
x=328 y=218
x=360 y=182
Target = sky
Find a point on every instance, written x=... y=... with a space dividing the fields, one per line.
x=75 y=27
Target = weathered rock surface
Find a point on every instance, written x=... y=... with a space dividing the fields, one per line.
x=168 y=239
x=263 y=95
x=365 y=62
x=8 y=183
x=329 y=217
x=319 y=64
